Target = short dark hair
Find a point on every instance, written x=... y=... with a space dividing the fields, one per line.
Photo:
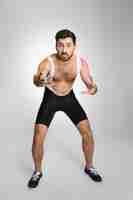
x=64 y=33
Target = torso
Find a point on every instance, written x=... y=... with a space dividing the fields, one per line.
x=64 y=75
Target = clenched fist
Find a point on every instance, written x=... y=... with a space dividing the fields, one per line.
x=42 y=79
x=91 y=89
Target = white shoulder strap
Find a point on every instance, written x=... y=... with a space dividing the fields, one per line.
x=52 y=66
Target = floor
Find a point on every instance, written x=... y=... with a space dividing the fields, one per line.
x=63 y=163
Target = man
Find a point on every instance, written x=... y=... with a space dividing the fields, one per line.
x=57 y=73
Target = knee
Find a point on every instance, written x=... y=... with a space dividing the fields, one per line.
x=85 y=136
x=40 y=132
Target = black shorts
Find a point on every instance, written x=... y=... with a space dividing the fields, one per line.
x=51 y=103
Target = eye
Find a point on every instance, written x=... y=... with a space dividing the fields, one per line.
x=69 y=44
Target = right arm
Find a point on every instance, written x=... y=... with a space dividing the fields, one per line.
x=87 y=77
x=42 y=70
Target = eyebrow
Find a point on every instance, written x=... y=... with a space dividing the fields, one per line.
x=66 y=43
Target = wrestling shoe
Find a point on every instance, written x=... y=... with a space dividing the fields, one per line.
x=94 y=175
x=34 y=180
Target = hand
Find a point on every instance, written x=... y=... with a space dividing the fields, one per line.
x=94 y=90
x=91 y=91
x=38 y=81
x=45 y=79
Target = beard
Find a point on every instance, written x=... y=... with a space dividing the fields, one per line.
x=65 y=56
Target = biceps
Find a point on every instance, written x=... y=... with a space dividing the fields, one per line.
x=42 y=68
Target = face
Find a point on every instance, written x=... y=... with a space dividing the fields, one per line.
x=65 y=48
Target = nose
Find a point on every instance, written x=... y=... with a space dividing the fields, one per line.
x=64 y=50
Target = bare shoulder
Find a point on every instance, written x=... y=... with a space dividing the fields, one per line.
x=43 y=62
x=42 y=66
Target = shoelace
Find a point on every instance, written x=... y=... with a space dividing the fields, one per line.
x=93 y=170
x=35 y=176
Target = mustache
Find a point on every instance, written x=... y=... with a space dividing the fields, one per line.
x=64 y=54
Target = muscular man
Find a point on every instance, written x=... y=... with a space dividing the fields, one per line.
x=57 y=73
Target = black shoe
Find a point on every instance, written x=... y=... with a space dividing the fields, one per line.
x=92 y=172
x=34 y=180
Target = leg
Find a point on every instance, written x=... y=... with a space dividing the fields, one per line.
x=78 y=116
x=40 y=132
x=87 y=141
x=88 y=149
x=44 y=117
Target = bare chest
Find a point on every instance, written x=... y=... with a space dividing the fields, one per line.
x=65 y=73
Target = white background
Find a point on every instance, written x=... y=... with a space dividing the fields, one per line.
x=104 y=31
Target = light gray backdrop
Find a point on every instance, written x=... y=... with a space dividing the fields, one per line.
x=104 y=30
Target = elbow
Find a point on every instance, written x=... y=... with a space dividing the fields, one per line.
x=35 y=82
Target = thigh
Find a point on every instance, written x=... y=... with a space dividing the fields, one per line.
x=75 y=111
x=45 y=113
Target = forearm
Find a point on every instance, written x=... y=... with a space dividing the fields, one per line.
x=89 y=82
x=87 y=78
x=37 y=82
x=91 y=85
x=42 y=79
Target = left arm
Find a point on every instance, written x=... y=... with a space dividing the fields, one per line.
x=87 y=77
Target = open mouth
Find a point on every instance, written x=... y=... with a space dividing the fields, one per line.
x=64 y=54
